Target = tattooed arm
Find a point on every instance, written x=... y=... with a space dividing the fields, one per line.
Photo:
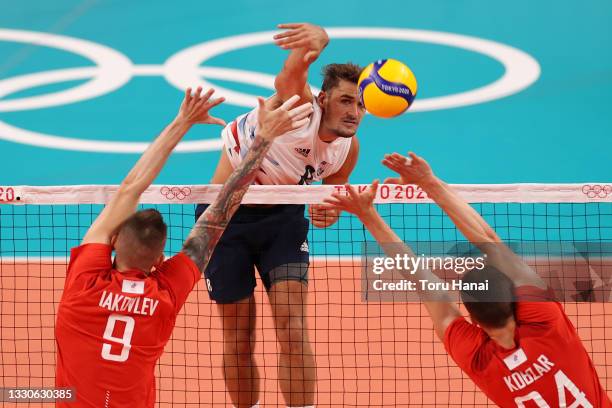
x=210 y=226
x=272 y=123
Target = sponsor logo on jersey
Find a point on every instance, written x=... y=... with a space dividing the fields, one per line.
x=304 y=247
x=135 y=287
x=515 y=359
x=208 y=285
x=302 y=151
x=322 y=166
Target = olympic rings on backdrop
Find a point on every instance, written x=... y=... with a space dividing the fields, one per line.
x=183 y=69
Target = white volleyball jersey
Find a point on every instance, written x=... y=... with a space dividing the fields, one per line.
x=297 y=157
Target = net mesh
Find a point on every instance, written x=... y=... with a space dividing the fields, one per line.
x=368 y=354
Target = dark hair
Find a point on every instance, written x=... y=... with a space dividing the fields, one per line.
x=147 y=229
x=492 y=307
x=333 y=73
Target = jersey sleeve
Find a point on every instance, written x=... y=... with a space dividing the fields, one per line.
x=462 y=341
x=87 y=261
x=179 y=274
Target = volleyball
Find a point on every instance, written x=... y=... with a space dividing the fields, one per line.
x=387 y=88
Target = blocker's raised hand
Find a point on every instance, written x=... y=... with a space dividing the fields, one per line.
x=412 y=170
x=275 y=118
x=356 y=203
x=195 y=107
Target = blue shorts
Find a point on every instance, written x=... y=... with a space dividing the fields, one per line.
x=273 y=239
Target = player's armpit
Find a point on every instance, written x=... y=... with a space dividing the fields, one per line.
x=224 y=169
x=343 y=174
x=442 y=313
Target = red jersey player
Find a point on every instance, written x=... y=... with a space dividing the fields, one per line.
x=520 y=349
x=115 y=318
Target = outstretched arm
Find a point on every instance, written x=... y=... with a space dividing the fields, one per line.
x=194 y=109
x=272 y=123
x=305 y=42
x=415 y=170
x=439 y=304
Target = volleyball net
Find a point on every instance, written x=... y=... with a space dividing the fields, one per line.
x=369 y=352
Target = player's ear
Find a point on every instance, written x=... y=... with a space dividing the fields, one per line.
x=158 y=263
x=160 y=260
x=321 y=98
x=113 y=240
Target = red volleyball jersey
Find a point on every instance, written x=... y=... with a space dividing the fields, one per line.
x=549 y=367
x=112 y=326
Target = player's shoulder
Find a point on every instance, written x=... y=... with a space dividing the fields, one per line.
x=461 y=327
x=90 y=257
x=540 y=316
x=467 y=344
x=181 y=259
x=529 y=292
x=535 y=304
x=177 y=270
x=91 y=249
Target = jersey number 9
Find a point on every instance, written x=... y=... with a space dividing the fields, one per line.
x=125 y=340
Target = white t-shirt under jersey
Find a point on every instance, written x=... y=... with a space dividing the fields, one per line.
x=297 y=157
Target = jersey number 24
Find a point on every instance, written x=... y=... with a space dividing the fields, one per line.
x=563 y=384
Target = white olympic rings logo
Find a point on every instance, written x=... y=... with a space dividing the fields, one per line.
x=113 y=70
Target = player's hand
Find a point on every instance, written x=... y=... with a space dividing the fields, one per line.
x=195 y=107
x=275 y=118
x=322 y=216
x=303 y=35
x=412 y=170
x=356 y=203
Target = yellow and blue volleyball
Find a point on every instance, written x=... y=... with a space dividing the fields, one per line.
x=387 y=88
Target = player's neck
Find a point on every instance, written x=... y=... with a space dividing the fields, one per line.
x=327 y=136
x=122 y=267
x=506 y=339
x=507 y=344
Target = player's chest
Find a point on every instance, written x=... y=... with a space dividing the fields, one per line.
x=302 y=163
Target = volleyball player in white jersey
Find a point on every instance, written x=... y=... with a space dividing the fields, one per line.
x=274 y=238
